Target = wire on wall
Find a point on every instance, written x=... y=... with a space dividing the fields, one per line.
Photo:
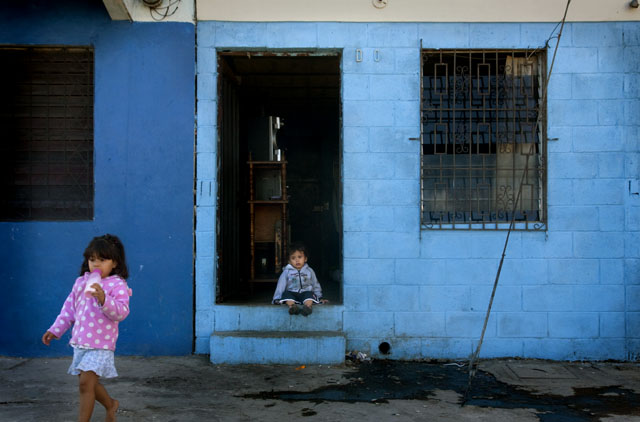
x=159 y=10
x=474 y=356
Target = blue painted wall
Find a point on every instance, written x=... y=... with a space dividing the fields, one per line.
x=572 y=292
x=143 y=146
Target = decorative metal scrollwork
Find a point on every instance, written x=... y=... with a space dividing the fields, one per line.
x=505 y=197
x=499 y=131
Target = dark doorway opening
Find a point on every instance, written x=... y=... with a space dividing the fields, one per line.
x=301 y=90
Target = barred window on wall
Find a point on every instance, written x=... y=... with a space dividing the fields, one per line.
x=46 y=146
x=483 y=133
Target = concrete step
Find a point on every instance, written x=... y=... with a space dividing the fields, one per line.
x=276 y=318
x=277 y=347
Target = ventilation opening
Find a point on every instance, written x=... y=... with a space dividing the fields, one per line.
x=384 y=348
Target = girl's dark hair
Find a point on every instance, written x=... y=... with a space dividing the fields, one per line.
x=297 y=246
x=106 y=247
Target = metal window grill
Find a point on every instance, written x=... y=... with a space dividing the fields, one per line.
x=46 y=147
x=483 y=132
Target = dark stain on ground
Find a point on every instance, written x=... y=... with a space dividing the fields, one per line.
x=308 y=412
x=380 y=381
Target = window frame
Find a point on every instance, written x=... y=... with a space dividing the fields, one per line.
x=521 y=219
x=49 y=144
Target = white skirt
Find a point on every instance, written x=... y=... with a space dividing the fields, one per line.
x=99 y=361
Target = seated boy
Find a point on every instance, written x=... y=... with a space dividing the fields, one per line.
x=298 y=283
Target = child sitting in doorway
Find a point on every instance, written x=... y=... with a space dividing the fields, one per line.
x=298 y=283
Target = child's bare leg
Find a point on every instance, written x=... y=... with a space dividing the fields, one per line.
x=306 y=309
x=87 y=388
x=110 y=404
x=293 y=308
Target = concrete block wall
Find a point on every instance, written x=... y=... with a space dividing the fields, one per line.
x=570 y=292
x=142 y=120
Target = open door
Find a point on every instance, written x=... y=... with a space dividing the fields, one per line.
x=302 y=91
x=229 y=215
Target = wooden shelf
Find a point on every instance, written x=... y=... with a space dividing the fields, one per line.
x=268 y=201
x=267 y=163
x=263 y=280
x=268 y=224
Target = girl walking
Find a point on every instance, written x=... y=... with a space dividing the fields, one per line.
x=95 y=311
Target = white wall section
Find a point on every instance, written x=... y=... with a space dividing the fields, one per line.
x=415 y=10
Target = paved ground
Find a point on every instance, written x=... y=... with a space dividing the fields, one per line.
x=192 y=389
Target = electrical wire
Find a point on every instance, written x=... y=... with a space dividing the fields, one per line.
x=473 y=367
x=162 y=12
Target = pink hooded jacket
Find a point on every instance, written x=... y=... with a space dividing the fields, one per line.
x=94 y=326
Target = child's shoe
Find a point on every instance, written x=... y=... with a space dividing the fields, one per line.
x=294 y=310
x=306 y=310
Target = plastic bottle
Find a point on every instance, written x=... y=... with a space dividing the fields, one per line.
x=94 y=277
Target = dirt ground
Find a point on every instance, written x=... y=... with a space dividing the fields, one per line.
x=190 y=388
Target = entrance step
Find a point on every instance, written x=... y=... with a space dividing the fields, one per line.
x=267 y=334
x=276 y=318
x=277 y=347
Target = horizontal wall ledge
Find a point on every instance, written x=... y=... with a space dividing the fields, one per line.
x=415 y=11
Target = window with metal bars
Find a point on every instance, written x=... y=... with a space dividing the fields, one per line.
x=46 y=147
x=483 y=158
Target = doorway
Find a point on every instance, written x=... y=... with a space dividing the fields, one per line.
x=270 y=105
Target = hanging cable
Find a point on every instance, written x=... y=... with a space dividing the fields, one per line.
x=473 y=367
x=160 y=11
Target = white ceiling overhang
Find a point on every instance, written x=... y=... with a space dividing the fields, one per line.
x=118 y=10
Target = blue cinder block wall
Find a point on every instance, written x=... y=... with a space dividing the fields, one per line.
x=570 y=292
x=143 y=155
